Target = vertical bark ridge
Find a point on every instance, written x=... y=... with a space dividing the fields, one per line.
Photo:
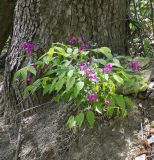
x=24 y=29
x=6 y=20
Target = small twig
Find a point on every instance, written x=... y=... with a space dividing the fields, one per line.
x=150 y=156
x=26 y=110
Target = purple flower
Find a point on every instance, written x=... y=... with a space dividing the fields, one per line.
x=88 y=72
x=136 y=65
x=34 y=65
x=92 y=97
x=84 y=47
x=84 y=66
x=29 y=79
x=29 y=48
x=87 y=63
x=95 y=76
x=72 y=40
x=106 y=103
x=91 y=75
x=47 y=65
x=107 y=68
x=81 y=64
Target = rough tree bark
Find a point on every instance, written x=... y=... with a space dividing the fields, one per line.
x=6 y=17
x=46 y=21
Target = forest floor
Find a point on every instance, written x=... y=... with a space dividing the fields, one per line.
x=42 y=135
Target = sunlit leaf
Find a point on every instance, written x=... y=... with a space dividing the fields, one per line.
x=70 y=74
x=79 y=119
x=90 y=118
x=118 y=79
x=70 y=83
x=78 y=88
x=71 y=122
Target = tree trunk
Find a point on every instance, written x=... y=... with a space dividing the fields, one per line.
x=6 y=17
x=101 y=21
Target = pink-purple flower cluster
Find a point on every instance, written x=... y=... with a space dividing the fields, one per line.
x=72 y=40
x=29 y=48
x=88 y=72
x=91 y=74
x=92 y=97
x=29 y=79
x=107 y=68
x=84 y=66
x=107 y=102
x=84 y=47
x=136 y=65
x=79 y=40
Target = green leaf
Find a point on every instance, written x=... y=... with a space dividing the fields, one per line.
x=50 y=53
x=69 y=50
x=62 y=75
x=46 y=89
x=85 y=53
x=44 y=55
x=120 y=102
x=61 y=51
x=111 y=108
x=60 y=84
x=31 y=69
x=128 y=101
x=90 y=118
x=32 y=88
x=22 y=72
x=118 y=79
x=116 y=63
x=78 y=88
x=53 y=85
x=70 y=83
x=70 y=74
x=29 y=89
x=57 y=98
x=126 y=76
x=44 y=81
x=67 y=63
x=136 y=88
x=71 y=122
x=105 y=76
x=76 y=51
x=106 y=51
x=79 y=119
x=102 y=61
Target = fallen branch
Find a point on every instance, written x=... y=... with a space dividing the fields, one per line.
x=26 y=110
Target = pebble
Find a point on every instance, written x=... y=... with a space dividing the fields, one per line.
x=142 y=157
x=151 y=139
x=152 y=130
x=151 y=85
